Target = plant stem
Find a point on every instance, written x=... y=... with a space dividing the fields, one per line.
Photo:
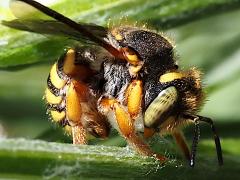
x=41 y=159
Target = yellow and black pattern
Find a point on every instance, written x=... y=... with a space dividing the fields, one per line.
x=70 y=102
x=55 y=93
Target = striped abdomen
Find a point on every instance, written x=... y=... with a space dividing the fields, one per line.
x=69 y=100
x=55 y=94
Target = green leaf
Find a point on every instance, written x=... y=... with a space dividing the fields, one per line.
x=20 y=48
x=212 y=45
x=27 y=159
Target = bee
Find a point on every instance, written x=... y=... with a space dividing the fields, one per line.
x=124 y=77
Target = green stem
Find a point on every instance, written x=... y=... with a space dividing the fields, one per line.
x=28 y=159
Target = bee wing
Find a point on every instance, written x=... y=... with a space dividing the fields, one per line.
x=35 y=17
x=53 y=27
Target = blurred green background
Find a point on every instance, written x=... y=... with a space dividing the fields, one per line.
x=211 y=44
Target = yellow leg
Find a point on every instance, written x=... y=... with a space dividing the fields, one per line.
x=74 y=113
x=82 y=114
x=134 y=98
x=126 y=128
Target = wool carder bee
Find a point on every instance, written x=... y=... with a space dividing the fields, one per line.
x=124 y=77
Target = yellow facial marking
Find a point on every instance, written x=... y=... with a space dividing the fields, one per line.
x=168 y=77
x=55 y=79
x=69 y=65
x=51 y=98
x=57 y=116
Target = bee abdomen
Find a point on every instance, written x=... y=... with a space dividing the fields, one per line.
x=70 y=100
x=55 y=92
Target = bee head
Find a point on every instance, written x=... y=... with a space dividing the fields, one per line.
x=149 y=48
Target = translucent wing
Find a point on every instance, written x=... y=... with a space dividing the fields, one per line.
x=35 y=17
x=53 y=27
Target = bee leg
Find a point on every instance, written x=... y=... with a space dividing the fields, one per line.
x=134 y=98
x=216 y=138
x=74 y=113
x=125 y=125
x=181 y=142
x=82 y=114
x=196 y=120
x=196 y=138
x=79 y=135
x=134 y=94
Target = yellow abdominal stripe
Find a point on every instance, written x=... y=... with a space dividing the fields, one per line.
x=171 y=76
x=69 y=65
x=51 y=98
x=57 y=116
x=55 y=79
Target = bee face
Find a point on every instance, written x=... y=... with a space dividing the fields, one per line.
x=151 y=48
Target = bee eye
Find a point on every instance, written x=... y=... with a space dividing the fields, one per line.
x=131 y=56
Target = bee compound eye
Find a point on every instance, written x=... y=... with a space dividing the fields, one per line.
x=161 y=105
